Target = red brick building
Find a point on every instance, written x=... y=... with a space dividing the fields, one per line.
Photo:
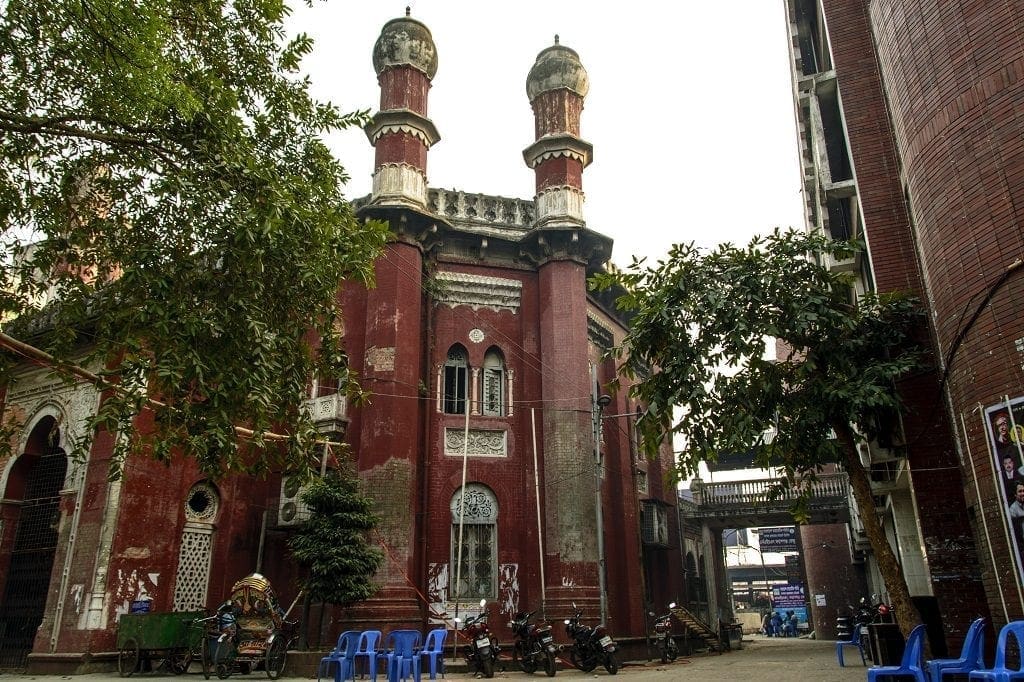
x=483 y=352
x=911 y=121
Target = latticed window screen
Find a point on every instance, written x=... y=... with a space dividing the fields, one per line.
x=494 y=385
x=193 y=568
x=456 y=381
x=654 y=523
x=474 y=569
x=193 y=576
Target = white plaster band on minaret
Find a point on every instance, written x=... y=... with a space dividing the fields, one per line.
x=402 y=121
x=560 y=206
x=555 y=146
x=399 y=182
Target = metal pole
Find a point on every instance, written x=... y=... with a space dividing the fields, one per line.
x=540 y=528
x=595 y=415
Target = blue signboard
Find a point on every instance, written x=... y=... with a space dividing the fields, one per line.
x=777 y=539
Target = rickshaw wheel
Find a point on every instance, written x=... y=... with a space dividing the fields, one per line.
x=180 y=660
x=276 y=654
x=223 y=671
x=128 y=658
x=205 y=657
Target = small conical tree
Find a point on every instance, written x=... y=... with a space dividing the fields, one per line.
x=332 y=546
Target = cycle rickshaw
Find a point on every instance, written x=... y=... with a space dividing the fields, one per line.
x=248 y=632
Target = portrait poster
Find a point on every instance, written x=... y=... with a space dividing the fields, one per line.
x=1004 y=424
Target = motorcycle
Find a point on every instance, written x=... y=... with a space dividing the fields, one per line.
x=590 y=646
x=534 y=645
x=663 y=636
x=867 y=613
x=481 y=648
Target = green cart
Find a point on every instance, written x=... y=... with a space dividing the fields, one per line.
x=170 y=638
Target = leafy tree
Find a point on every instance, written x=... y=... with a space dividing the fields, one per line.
x=165 y=191
x=701 y=320
x=332 y=545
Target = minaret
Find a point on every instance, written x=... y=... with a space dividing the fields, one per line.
x=563 y=248
x=405 y=60
x=556 y=86
x=387 y=431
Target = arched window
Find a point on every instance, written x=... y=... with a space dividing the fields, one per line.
x=456 y=380
x=474 y=567
x=494 y=384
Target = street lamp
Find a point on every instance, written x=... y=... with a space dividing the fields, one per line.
x=599 y=403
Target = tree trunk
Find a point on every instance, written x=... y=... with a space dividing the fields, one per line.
x=907 y=616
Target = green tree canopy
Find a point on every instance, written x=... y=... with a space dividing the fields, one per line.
x=332 y=545
x=166 y=193
x=697 y=340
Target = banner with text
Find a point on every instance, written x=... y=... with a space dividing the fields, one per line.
x=777 y=539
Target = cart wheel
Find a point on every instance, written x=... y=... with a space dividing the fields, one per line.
x=206 y=658
x=128 y=657
x=223 y=671
x=276 y=654
x=179 y=660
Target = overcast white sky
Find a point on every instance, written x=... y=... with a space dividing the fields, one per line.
x=689 y=110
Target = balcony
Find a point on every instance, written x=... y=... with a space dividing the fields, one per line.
x=760 y=502
x=329 y=413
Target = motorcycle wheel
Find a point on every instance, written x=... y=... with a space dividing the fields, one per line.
x=671 y=650
x=549 y=663
x=611 y=664
x=487 y=667
x=586 y=664
x=519 y=658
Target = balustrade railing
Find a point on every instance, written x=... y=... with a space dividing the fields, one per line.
x=765 y=492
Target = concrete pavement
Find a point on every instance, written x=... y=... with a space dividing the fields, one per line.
x=761 y=660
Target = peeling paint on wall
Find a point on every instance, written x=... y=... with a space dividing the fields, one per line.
x=508 y=588
x=437 y=592
x=133 y=586
x=77 y=590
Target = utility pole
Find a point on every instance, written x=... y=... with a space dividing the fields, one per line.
x=598 y=403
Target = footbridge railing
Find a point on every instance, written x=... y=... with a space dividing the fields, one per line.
x=828 y=493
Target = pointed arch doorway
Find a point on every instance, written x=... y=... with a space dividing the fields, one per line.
x=32 y=505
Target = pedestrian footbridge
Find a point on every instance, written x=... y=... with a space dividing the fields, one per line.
x=763 y=502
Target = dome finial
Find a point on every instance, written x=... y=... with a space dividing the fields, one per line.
x=556 y=39
x=408 y=11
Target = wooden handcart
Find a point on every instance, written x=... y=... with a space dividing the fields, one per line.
x=170 y=638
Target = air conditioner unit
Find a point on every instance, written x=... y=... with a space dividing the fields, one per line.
x=291 y=510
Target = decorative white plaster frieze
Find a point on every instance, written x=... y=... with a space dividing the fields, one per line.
x=399 y=182
x=558 y=204
x=478 y=291
x=482 y=442
x=415 y=131
x=559 y=154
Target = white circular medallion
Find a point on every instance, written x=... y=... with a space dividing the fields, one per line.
x=476 y=335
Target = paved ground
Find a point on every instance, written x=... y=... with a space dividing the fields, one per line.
x=760 y=660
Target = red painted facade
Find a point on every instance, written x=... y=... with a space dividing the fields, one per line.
x=464 y=272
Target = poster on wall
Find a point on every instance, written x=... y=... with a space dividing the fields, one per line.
x=1005 y=425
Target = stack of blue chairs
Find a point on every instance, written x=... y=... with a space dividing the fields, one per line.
x=999 y=672
x=402 y=654
x=971 y=655
x=343 y=656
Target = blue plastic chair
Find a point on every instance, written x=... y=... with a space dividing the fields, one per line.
x=854 y=640
x=971 y=655
x=368 y=650
x=910 y=666
x=433 y=651
x=343 y=655
x=999 y=672
x=402 y=655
